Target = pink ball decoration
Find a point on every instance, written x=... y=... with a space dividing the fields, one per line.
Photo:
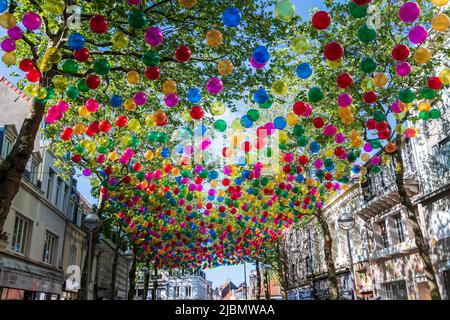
x=8 y=45
x=329 y=130
x=344 y=100
x=403 y=69
x=140 y=98
x=288 y=157
x=409 y=12
x=31 y=21
x=270 y=128
x=62 y=106
x=418 y=34
x=171 y=100
x=49 y=119
x=339 y=138
x=397 y=107
x=308 y=111
x=15 y=33
x=153 y=36
x=214 y=85
x=91 y=105
x=205 y=144
x=318 y=163
x=256 y=65
x=375 y=160
x=134 y=2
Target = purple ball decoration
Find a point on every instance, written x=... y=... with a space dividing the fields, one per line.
x=153 y=36
x=171 y=100
x=403 y=69
x=214 y=85
x=409 y=12
x=367 y=147
x=87 y=172
x=134 y=2
x=339 y=138
x=418 y=34
x=256 y=65
x=15 y=33
x=8 y=45
x=31 y=21
x=344 y=100
x=140 y=98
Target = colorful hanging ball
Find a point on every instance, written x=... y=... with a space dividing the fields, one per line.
x=300 y=44
x=171 y=100
x=7 y=20
x=31 y=21
x=418 y=34
x=214 y=38
x=344 y=80
x=439 y=3
x=137 y=19
x=400 y=52
x=76 y=41
x=8 y=45
x=154 y=36
x=255 y=64
x=55 y=6
x=409 y=12
x=403 y=69
x=214 y=85
x=225 y=67
x=261 y=54
x=152 y=73
x=304 y=70
x=285 y=10
x=93 y=82
x=116 y=101
x=231 y=17
x=280 y=122
x=81 y=55
x=367 y=33
x=98 y=24
x=3 y=5
x=188 y=4
x=440 y=22
x=333 y=51
x=15 y=33
x=321 y=20
x=196 y=112
x=183 y=53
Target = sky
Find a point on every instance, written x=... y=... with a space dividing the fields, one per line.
x=220 y=274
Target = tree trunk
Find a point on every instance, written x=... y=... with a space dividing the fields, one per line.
x=146 y=280
x=155 y=285
x=421 y=243
x=12 y=168
x=258 y=281
x=132 y=278
x=281 y=270
x=83 y=294
x=114 y=266
x=266 y=281
x=328 y=253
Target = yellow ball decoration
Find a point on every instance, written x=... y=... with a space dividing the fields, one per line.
x=39 y=92
x=129 y=104
x=44 y=64
x=335 y=64
x=169 y=86
x=424 y=106
x=83 y=112
x=444 y=75
x=149 y=155
x=9 y=58
x=187 y=3
x=422 y=56
x=28 y=90
x=53 y=54
x=225 y=67
x=79 y=129
x=300 y=44
x=291 y=119
x=133 y=77
x=279 y=87
x=60 y=83
x=120 y=40
x=218 y=108
x=134 y=125
x=214 y=38
x=440 y=22
x=7 y=20
x=439 y=3
x=150 y=120
x=367 y=84
x=380 y=79
x=54 y=6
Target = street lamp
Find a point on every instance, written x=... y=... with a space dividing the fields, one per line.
x=347 y=222
x=91 y=222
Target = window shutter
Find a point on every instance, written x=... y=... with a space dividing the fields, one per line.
x=377 y=236
x=391 y=226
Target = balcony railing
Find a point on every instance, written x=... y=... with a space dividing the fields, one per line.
x=397 y=249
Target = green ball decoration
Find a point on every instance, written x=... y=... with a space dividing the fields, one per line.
x=285 y=10
x=299 y=130
x=376 y=169
x=435 y=114
x=161 y=137
x=428 y=93
x=357 y=11
x=424 y=115
x=82 y=85
x=352 y=156
x=320 y=174
x=302 y=141
x=379 y=116
x=406 y=96
x=137 y=19
x=70 y=66
x=267 y=104
x=375 y=143
x=344 y=179
x=315 y=94
x=151 y=58
x=253 y=114
x=328 y=162
x=72 y=92
x=50 y=93
x=151 y=136
x=368 y=65
x=220 y=125
x=367 y=33
x=101 y=67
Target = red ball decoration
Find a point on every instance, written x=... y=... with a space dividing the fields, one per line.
x=321 y=20
x=303 y=159
x=344 y=80
x=435 y=83
x=299 y=108
x=76 y=158
x=98 y=24
x=385 y=134
x=318 y=122
x=362 y=2
x=121 y=121
x=370 y=97
x=33 y=75
x=93 y=82
x=136 y=166
x=183 y=53
x=333 y=51
x=67 y=133
x=81 y=55
x=104 y=126
x=400 y=52
x=152 y=73
x=26 y=65
x=196 y=113
x=370 y=124
x=246 y=146
x=381 y=126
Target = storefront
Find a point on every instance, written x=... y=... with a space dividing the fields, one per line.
x=300 y=293
x=322 y=287
x=20 y=280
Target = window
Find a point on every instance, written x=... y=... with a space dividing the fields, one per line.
x=441 y=153
x=66 y=199
x=396 y=290
x=384 y=235
x=49 y=248
x=34 y=170
x=176 y=291
x=20 y=236
x=7 y=147
x=73 y=255
x=51 y=176
x=399 y=228
x=58 y=190
x=188 y=291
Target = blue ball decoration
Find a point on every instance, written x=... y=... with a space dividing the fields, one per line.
x=261 y=55
x=76 y=41
x=280 y=123
x=304 y=70
x=246 y=122
x=116 y=101
x=231 y=17
x=3 y=5
x=194 y=95
x=261 y=96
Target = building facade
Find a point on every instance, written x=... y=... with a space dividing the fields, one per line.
x=189 y=287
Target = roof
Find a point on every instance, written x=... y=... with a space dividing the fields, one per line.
x=15 y=89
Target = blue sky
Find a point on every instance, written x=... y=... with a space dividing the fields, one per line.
x=221 y=274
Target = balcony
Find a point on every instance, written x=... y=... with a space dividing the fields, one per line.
x=389 y=252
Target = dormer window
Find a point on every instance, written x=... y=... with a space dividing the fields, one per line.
x=8 y=135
